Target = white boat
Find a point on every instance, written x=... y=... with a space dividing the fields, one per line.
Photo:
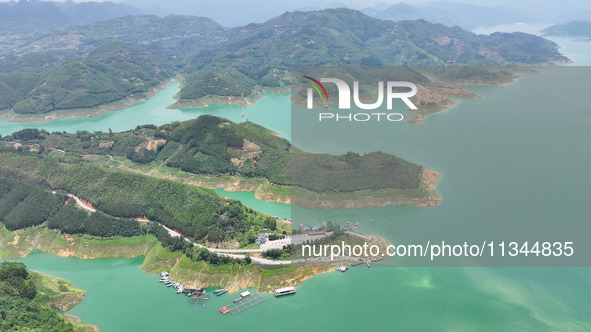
x=284 y=291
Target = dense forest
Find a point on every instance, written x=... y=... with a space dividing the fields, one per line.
x=105 y=74
x=20 y=310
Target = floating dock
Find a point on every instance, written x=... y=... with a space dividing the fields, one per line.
x=243 y=303
x=199 y=298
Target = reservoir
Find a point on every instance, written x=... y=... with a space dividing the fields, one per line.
x=507 y=156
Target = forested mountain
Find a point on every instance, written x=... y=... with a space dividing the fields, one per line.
x=105 y=74
x=195 y=212
x=264 y=52
x=68 y=68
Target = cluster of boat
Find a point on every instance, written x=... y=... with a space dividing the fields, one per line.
x=165 y=278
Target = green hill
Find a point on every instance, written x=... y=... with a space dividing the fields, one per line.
x=197 y=213
x=215 y=147
x=106 y=74
x=264 y=52
x=24 y=305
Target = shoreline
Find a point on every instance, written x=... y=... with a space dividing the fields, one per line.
x=208 y=100
x=264 y=278
x=85 y=112
x=64 y=297
x=423 y=196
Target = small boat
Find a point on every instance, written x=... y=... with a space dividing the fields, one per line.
x=222 y=292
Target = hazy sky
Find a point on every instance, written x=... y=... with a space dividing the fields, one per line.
x=239 y=12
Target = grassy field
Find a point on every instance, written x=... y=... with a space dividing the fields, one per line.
x=160 y=259
x=21 y=242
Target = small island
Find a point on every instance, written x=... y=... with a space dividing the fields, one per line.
x=38 y=301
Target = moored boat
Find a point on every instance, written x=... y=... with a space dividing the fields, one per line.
x=284 y=291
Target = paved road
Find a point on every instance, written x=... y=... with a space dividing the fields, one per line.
x=239 y=253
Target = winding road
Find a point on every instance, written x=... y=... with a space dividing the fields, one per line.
x=241 y=253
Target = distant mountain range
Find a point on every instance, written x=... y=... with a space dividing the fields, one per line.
x=574 y=28
x=27 y=14
x=467 y=16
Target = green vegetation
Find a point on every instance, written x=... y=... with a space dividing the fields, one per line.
x=265 y=52
x=218 y=82
x=223 y=151
x=24 y=204
x=377 y=170
x=21 y=242
x=100 y=63
x=106 y=74
x=468 y=75
x=20 y=309
x=72 y=219
x=197 y=213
